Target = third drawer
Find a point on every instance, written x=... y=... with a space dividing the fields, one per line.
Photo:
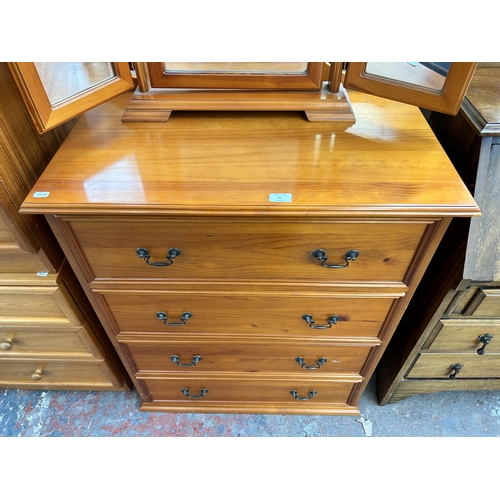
x=258 y=355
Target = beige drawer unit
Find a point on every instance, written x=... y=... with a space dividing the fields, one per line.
x=45 y=317
x=454 y=317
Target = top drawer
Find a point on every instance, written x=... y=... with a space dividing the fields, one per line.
x=237 y=249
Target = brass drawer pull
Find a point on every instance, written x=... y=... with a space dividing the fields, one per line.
x=332 y=320
x=143 y=253
x=37 y=374
x=456 y=370
x=202 y=393
x=320 y=254
x=310 y=395
x=485 y=339
x=7 y=344
x=163 y=317
x=319 y=363
x=175 y=359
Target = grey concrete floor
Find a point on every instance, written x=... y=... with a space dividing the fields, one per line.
x=107 y=414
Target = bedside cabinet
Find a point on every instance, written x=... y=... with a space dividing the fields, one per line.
x=50 y=337
x=250 y=262
x=449 y=337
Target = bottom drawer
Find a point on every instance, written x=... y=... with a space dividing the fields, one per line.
x=437 y=365
x=253 y=394
x=45 y=374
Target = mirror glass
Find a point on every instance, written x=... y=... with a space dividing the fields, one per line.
x=63 y=80
x=237 y=67
x=431 y=75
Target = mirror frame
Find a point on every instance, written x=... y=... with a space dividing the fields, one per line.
x=44 y=115
x=446 y=100
x=311 y=79
x=329 y=102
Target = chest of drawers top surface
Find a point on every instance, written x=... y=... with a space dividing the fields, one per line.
x=389 y=164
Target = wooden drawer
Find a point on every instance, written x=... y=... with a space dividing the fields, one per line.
x=6 y=237
x=249 y=312
x=233 y=388
x=459 y=335
x=486 y=303
x=238 y=249
x=71 y=372
x=13 y=259
x=37 y=305
x=20 y=262
x=437 y=365
x=259 y=355
x=34 y=340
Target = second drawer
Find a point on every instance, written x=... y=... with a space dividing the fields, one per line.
x=248 y=312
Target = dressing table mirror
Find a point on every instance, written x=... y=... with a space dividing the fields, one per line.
x=57 y=92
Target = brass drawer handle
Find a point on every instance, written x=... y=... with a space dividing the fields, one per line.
x=456 y=370
x=184 y=318
x=485 y=339
x=7 y=344
x=319 y=363
x=143 y=253
x=310 y=395
x=37 y=374
x=332 y=320
x=202 y=393
x=350 y=255
x=176 y=359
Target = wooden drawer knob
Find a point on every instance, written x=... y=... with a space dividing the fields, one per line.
x=37 y=374
x=7 y=344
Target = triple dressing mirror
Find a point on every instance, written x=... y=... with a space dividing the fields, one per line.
x=57 y=92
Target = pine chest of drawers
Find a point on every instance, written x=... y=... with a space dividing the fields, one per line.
x=250 y=262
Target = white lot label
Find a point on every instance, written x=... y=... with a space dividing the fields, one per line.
x=281 y=197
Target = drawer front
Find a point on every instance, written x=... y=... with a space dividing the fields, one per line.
x=5 y=235
x=248 y=313
x=24 y=372
x=486 y=303
x=34 y=340
x=435 y=365
x=210 y=355
x=467 y=336
x=243 y=250
x=31 y=304
x=239 y=389
x=20 y=263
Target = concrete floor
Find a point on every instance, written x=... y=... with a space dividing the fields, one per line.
x=101 y=414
